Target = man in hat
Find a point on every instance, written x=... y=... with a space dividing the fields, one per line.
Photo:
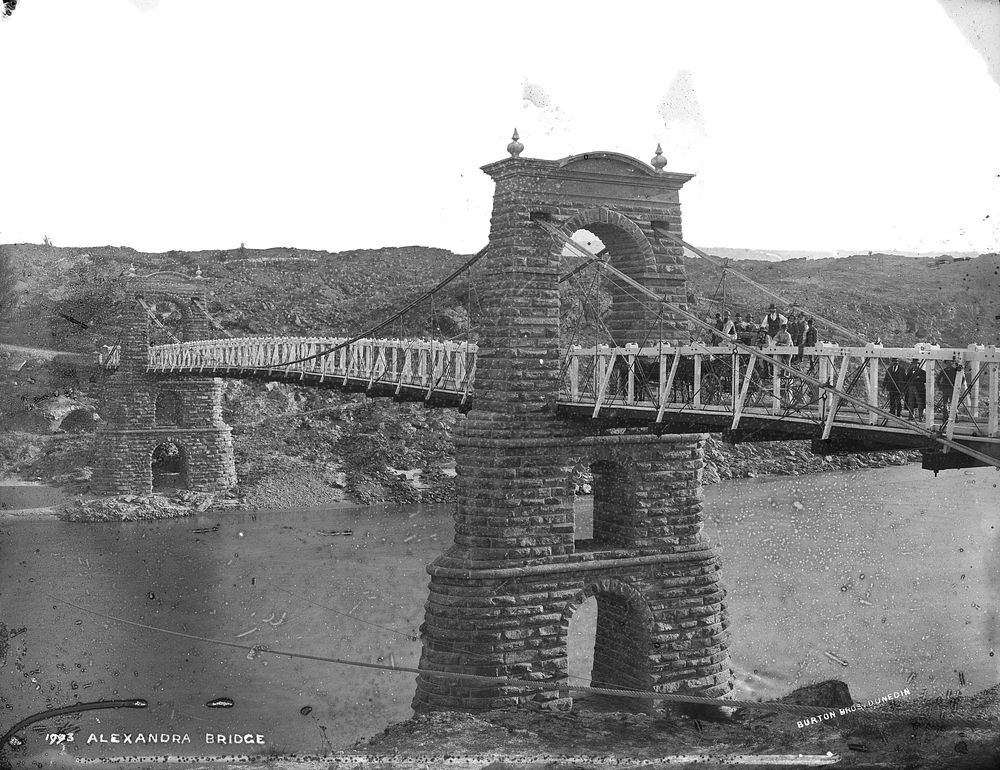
x=916 y=393
x=895 y=384
x=772 y=323
x=717 y=336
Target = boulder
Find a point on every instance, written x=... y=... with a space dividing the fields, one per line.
x=830 y=692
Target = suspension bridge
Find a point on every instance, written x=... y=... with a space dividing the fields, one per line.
x=683 y=388
x=832 y=394
x=636 y=407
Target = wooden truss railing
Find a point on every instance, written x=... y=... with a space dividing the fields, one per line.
x=663 y=379
x=716 y=379
x=427 y=366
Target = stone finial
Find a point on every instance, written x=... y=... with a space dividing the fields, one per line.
x=197 y=271
x=515 y=148
x=658 y=161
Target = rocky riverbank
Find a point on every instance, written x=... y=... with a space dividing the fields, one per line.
x=300 y=447
x=955 y=732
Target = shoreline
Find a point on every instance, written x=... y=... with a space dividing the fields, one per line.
x=52 y=512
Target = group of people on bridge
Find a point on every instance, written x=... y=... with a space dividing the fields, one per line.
x=906 y=385
x=774 y=329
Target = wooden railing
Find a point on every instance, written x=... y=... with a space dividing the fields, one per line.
x=654 y=379
x=705 y=379
x=427 y=366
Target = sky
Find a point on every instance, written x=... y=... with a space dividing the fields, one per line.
x=188 y=124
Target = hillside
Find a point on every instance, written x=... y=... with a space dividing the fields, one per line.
x=900 y=299
x=779 y=255
x=66 y=298
x=305 y=446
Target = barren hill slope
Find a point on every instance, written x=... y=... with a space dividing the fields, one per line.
x=66 y=298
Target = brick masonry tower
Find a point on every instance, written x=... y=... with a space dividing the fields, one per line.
x=501 y=598
x=143 y=412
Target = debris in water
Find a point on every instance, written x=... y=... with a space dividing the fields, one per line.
x=306 y=710
x=277 y=622
x=835 y=659
x=333 y=533
x=797 y=505
x=255 y=650
x=220 y=703
x=866 y=602
x=203 y=530
x=408 y=539
x=912 y=677
x=246 y=633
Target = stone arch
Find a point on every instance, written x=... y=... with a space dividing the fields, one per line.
x=80 y=420
x=623 y=636
x=630 y=251
x=609 y=586
x=183 y=329
x=169 y=469
x=607 y=221
x=168 y=408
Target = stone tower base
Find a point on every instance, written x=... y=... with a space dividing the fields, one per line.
x=124 y=458
x=661 y=611
x=661 y=626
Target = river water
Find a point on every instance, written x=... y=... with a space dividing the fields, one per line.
x=882 y=578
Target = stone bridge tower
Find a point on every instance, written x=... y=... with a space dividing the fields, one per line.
x=144 y=412
x=501 y=598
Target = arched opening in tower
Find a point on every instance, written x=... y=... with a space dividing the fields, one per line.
x=584 y=296
x=607 y=647
x=169 y=466
x=580 y=638
x=598 y=308
x=604 y=504
x=166 y=323
x=616 y=314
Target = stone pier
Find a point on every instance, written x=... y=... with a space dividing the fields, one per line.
x=142 y=412
x=502 y=597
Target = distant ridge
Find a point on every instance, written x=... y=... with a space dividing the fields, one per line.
x=779 y=255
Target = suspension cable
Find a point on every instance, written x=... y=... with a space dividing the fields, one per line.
x=379 y=326
x=215 y=324
x=472 y=678
x=774 y=295
x=624 y=278
x=157 y=321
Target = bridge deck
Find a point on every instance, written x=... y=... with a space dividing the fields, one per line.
x=693 y=387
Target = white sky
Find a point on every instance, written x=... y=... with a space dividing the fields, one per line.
x=187 y=124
